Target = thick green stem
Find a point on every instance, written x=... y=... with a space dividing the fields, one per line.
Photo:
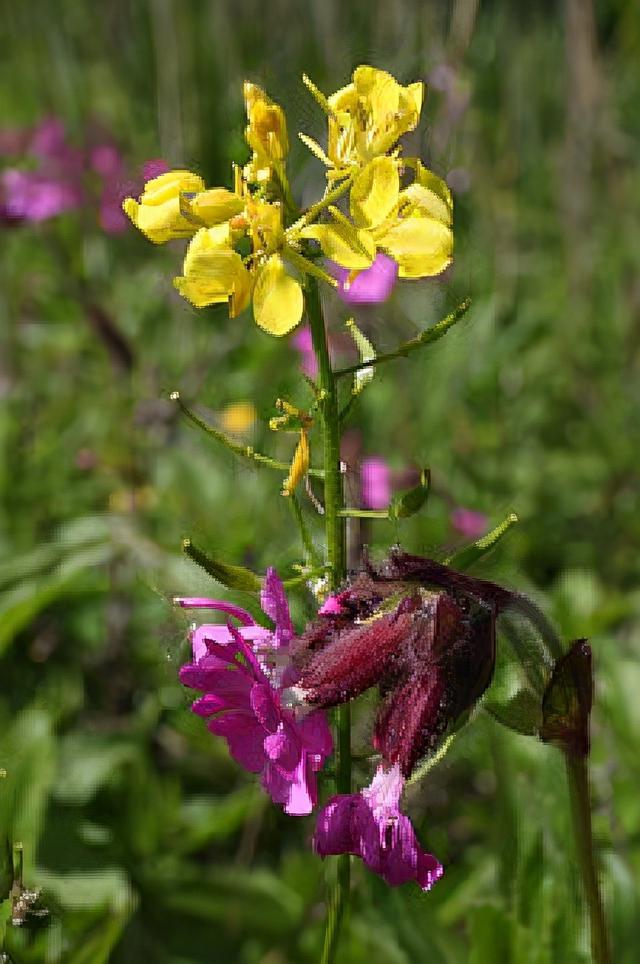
x=334 y=528
x=578 y=777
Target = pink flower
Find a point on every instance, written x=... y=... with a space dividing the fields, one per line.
x=375 y=481
x=469 y=523
x=241 y=673
x=301 y=341
x=31 y=196
x=370 y=825
x=368 y=287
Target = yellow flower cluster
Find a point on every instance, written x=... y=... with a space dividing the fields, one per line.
x=241 y=250
x=411 y=224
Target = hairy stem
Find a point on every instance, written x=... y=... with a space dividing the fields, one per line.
x=578 y=778
x=334 y=528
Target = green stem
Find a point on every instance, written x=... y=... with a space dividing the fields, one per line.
x=244 y=451
x=334 y=528
x=578 y=778
x=424 y=338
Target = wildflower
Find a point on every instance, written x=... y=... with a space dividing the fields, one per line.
x=470 y=524
x=238 y=418
x=158 y=212
x=302 y=342
x=241 y=673
x=430 y=650
x=370 y=825
x=411 y=225
x=367 y=117
x=368 y=287
x=375 y=483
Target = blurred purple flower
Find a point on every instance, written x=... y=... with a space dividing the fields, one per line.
x=375 y=483
x=31 y=196
x=468 y=523
x=59 y=183
x=368 y=287
x=302 y=342
x=370 y=825
x=241 y=673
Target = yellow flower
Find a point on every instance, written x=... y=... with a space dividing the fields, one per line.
x=213 y=272
x=238 y=418
x=266 y=133
x=412 y=225
x=366 y=118
x=159 y=213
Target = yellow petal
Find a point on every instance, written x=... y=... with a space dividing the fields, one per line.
x=277 y=298
x=215 y=205
x=374 y=192
x=342 y=244
x=422 y=246
x=213 y=272
x=159 y=222
x=441 y=204
x=170 y=185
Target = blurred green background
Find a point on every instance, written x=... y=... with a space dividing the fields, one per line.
x=147 y=841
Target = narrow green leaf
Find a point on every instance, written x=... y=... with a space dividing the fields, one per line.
x=405 y=504
x=233 y=577
x=466 y=557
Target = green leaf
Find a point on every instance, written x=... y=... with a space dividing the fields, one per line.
x=367 y=353
x=405 y=504
x=466 y=557
x=233 y=577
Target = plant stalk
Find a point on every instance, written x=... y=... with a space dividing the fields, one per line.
x=335 y=536
x=578 y=779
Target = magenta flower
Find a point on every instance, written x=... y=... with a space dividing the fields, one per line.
x=368 y=287
x=370 y=825
x=469 y=523
x=375 y=483
x=301 y=341
x=31 y=196
x=241 y=673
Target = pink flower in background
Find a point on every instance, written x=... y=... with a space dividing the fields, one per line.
x=369 y=287
x=62 y=179
x=301 y=341
x=468 y=523
x=370 y=825
x=241 y=674
x=375 y=483
x=30 y=196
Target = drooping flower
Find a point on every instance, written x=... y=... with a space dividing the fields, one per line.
x=422 y=632
x=369 y=287
x=370 y=825
x=241 y=673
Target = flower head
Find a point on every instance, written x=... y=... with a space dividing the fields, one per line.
x=241 y=672
x=422 y=633
x=369 y=115
x=370 y=825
